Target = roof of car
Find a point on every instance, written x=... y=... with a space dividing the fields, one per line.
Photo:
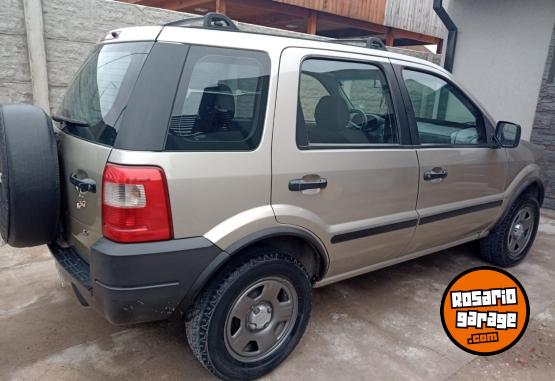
x=250 y=40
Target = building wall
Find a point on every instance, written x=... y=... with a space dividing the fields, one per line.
x=501 y=52
x=367 y=10
x=414 y=15
x=15 y=78
x=543 y=132
x=71 y=30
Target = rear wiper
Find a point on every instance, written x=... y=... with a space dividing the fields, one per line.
x=69 y=121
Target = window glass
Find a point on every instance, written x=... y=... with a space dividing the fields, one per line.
x=366 y=95
x=99 y=93
x=312 y=91
x=221 y=101
x=551 y=75
x=444 y=116
x=344 y=103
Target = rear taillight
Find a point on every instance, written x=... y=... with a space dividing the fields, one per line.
x=135 y=204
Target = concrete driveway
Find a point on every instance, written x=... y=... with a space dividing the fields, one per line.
x=384 y=326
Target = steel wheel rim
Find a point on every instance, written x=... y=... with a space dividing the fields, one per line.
x=260 y=319
x=520 y=232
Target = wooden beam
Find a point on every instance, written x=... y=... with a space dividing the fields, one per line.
x=439 y=49
x=406 y=34
x=278 y=20
x=177 y=5
x=312 y=23
x=390 y=39
x=221 y=6
x=354 y=23
x=268 y=6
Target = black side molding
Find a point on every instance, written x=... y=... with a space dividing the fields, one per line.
x=459 y=212
x=412 y=223
x=373 y=231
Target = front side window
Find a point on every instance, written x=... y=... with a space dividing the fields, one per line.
x=99 y=93
x=344 y=102
x=444 y=116
x=221 y=102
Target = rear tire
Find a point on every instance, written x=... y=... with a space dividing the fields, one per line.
x=250 y=317
x=30 y=179
x=513 y=236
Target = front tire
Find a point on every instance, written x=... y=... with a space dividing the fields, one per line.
x=251 y=317
x=511 y=239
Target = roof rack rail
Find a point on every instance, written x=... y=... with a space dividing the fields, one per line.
x=211 y=20
x=371 y=42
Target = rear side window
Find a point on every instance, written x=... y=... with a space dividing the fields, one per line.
x=221 y=101
x=99 y=93
x=344 y=103
x=311 y=91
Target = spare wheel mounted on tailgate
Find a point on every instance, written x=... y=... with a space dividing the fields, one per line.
x=30 y=177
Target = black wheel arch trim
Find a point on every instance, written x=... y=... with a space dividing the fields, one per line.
x=202 y=280
x=520 y=190
x=291 y=231
x=222 y=258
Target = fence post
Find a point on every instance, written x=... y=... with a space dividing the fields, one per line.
x=34 y=27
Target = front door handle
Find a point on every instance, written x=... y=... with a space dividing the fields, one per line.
x=298 y=185
x=435 y=175
x=82 y=185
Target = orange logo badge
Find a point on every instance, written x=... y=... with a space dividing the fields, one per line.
x=485 y=310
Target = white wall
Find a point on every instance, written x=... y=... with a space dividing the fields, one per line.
x=501 y=52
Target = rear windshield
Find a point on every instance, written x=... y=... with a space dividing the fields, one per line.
x=100 y=91
x=221 y=101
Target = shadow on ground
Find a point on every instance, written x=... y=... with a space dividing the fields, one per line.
x=384 y=325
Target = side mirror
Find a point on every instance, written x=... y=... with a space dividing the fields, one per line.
x=507 y=134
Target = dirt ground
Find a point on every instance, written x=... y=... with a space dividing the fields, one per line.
x=383 y=326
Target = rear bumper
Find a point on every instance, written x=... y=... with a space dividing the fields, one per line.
x=132 y=283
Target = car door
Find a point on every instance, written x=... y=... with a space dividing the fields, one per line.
x=463 y=174
x=341 y=165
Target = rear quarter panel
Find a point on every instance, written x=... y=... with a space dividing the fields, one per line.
x=209 y=188
x=222 y=195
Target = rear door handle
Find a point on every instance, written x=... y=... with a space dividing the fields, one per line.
x=298 y=185
x=82 y=185
x=435 y=175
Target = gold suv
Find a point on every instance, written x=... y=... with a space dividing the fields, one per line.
x=217 y=176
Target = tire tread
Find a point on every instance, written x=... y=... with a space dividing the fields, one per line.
x=492 y=247
x=199 y=315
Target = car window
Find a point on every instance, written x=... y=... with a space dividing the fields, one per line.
x=312 y=91
x=221 y=102
x=344 y=102
x=366 y=94
x=100 y=91
x=444 y=116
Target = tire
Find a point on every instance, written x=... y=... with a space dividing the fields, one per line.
x=501 y=249
x=30 y=179
x=212 y=327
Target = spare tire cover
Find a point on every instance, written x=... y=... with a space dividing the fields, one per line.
x=29 y=177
